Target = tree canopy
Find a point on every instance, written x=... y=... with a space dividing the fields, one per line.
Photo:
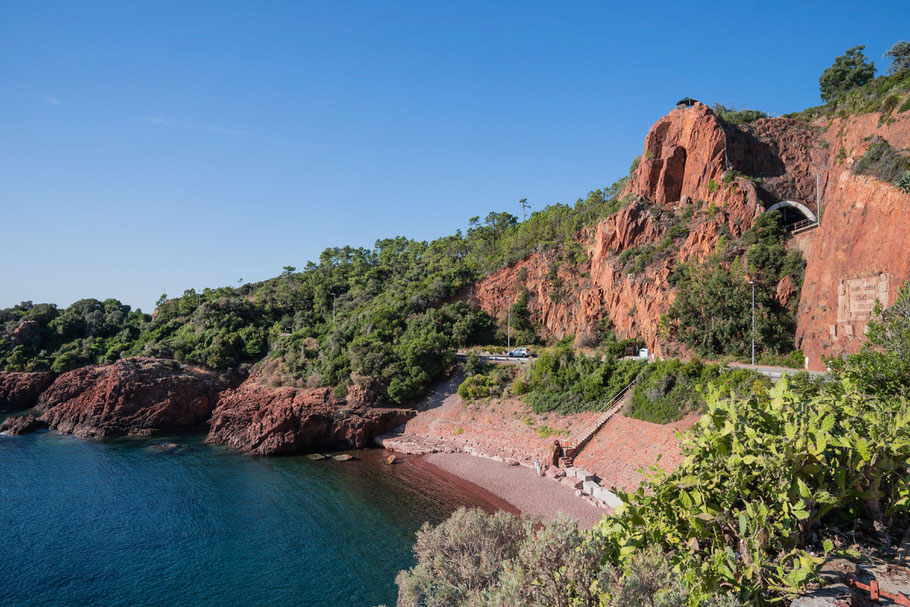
x=850 y=70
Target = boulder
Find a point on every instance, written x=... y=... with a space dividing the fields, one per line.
x=23 y=424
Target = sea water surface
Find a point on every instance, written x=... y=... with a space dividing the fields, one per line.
x=119 y=523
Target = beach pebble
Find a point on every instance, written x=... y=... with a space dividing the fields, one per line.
x=344 y=457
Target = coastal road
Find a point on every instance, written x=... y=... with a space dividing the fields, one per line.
x=775 y=373
x=497 y=358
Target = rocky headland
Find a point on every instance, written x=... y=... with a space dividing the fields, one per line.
x=148 y=396
x=272 y=421
x=132 y=397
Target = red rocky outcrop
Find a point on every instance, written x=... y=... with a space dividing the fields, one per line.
x=132 y=397
x=273 y=421
x=864 y=234
x=21 y=424
x=20 y=391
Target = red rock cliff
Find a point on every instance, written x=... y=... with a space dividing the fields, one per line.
x=272 y=421
x=132 y=397
x=684 y=161
x=860 y=250
x=20 y=391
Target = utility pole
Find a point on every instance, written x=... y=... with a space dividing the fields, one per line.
x=752 y=282
x=509 y=325
x=333 y=309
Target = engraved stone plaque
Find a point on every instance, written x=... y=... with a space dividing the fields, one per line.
x=856 y=297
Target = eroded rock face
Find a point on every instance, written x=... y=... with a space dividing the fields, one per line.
x=273 y=421
x=132 y=397
x=860 y=252
x=863 y=238
x=19 y=391
x=21 y=424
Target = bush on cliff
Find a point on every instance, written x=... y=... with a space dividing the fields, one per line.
x=712 y=312
x=883 y=162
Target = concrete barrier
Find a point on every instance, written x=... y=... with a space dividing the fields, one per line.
x=589 y=487
x=583 y=475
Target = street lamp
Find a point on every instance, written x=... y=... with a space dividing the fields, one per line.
x=752 y=282
x=509 y=324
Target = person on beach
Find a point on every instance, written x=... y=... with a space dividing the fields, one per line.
x=555 y=453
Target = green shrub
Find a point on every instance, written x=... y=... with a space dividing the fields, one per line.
x=734 y=116
x=883 y=162
x=903 y=181
x=482 y=560
x=480 y=386
x=761 y=470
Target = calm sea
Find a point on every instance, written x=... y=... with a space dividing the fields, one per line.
x=118 y=523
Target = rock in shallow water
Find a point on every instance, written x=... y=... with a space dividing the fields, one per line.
x=23 y=424
x=169 y=448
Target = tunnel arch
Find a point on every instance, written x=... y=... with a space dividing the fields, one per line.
x=792 y=204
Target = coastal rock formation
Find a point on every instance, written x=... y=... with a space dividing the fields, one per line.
x=21 y=424
x=857 y=254
x=19 y=391
x=132 y=397
x=272 y=421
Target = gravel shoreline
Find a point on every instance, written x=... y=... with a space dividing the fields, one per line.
x=519 y=486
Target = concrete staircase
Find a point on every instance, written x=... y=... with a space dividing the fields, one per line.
x=577 y=441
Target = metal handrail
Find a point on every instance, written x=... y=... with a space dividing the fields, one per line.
x=572 y=441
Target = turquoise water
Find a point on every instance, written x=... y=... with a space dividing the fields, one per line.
x=117 y=523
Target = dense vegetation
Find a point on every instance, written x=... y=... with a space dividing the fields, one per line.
x=888 y=94
x=849 y=71
x=733 y=116
x=712 y=312
x=391 y=326
x=563 y=379
x=774 y=480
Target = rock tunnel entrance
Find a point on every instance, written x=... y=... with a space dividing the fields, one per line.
x=793 y=213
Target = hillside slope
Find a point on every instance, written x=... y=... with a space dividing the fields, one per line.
x=736 y=172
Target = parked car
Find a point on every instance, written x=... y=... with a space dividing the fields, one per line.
x=520 y=353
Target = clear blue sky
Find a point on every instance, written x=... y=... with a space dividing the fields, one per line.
x=169 y=145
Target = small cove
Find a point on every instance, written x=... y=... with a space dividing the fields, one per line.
x=120 y=523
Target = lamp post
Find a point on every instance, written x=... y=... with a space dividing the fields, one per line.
x=752 y=282
x=509 y=323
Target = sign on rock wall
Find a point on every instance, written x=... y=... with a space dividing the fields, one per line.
x=856 y=297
